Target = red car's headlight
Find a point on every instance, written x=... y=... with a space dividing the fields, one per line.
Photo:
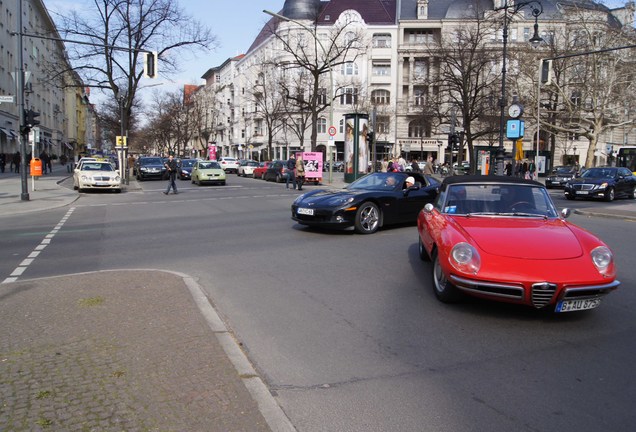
x=465 y=258
x=602 y=258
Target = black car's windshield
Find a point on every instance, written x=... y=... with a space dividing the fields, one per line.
x=497 y=199
x=607 y=173
x=379 y=182
x=186 y=163
x=151 y=161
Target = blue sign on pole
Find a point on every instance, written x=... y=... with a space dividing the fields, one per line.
x=515 y=129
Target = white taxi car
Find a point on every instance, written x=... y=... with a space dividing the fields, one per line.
x=96 y=175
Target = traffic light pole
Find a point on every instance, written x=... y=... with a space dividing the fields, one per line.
x=22 y=137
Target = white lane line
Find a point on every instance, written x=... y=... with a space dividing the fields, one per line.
x=18 y=271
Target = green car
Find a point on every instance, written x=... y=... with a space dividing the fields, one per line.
x=205 y=171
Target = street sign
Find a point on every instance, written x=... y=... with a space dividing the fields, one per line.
x=332 y=130
x=120 y=141
x=6 y=98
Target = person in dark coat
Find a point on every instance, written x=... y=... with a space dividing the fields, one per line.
x=172 y=167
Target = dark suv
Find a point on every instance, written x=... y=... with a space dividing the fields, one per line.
x=149 y=167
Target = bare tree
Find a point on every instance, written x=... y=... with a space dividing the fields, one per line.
x=117 y=33
x=317 y=56
x=467 y=78
x=268 y=99
x=589 y=93
x=172 y=123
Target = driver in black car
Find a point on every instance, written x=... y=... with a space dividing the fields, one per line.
x=390 y=182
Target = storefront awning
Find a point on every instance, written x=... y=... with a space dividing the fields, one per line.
x=68 y=146
x=13 y=134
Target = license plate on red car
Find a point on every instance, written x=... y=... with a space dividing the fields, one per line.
x=577 y=305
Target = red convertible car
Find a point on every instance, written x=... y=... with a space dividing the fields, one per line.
x=501 y=238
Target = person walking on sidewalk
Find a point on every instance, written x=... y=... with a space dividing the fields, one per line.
x=16 y=162
x=291 y=166
x=171 y=172
x=3 y=162
x=300 y=172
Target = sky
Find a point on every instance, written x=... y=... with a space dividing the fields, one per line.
x=234 y=23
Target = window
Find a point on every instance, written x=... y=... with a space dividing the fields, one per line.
x=321 y=126
x=381 y=97
x=349 y=96
x=419 y=36
x=341 y=125
x=349 y=38
x=382 y=124
x=322 y=96
x=349 y=68
x=381 y=68
x=420 y=69
x=419 y=97
x=419 y=129
x=381 y=41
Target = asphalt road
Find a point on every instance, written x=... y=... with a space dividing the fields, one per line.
x=344 y=328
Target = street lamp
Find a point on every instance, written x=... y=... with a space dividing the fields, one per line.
x=315 y=36
x=535 y=40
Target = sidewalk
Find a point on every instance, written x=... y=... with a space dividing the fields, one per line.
x=124 y=351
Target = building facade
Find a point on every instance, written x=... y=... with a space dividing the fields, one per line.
x=389 y=78
x=67 y=121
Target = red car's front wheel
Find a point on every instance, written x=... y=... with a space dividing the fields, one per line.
x=445 y=291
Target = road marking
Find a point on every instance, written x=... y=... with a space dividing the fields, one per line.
x=18 y=271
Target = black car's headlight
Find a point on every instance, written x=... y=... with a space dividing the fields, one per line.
x=338 y=201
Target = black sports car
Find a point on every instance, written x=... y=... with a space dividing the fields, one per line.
x=602 y=182
x=370 y=202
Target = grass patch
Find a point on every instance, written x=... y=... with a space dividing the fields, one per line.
x=44 y=422
x=43 y=394
x=91 y=301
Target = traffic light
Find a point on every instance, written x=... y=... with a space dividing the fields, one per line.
x=546 y=72
x=31 y=118
x=453 y=142
x=150 y=64
x=370 y=137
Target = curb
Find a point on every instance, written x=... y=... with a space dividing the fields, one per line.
x=269 y=408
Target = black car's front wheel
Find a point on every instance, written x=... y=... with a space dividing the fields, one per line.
x=367 y=218
x=609 y=195
x=445 y=291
